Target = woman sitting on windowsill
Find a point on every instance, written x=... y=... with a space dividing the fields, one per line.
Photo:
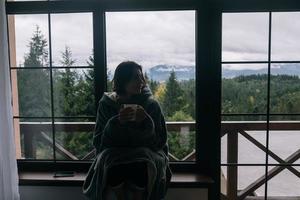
x=131 y=145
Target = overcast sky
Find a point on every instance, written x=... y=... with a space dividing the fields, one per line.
x=164 y=37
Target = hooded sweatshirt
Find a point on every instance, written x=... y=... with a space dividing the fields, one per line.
x=117 y=143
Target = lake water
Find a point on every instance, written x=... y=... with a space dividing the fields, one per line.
x=282 y=143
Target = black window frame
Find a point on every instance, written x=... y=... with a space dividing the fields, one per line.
x=207 y=115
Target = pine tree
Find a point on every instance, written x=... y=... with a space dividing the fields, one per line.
x=173 y=99
x=152 y=83
x=34 y=84
x=38 y=53
x=65 y=91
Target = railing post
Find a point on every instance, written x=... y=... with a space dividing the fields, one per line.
x=232 y=171
x=29 y=145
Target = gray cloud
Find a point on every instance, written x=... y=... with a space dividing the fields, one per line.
x=163 y=37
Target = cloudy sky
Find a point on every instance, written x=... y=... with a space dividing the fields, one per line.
x=164 y=37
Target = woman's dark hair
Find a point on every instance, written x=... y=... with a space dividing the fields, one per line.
x=123 y=75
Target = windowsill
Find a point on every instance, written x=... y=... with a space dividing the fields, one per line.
x=179 y=179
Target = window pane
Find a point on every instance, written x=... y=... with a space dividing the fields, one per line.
x=244 y=88
x=287 y=139
x=241 y=135
x=163 y=42
x=74 y=139
x=285 y=89
x=285 y=185
x=28 y=38
x=245 y=175
x=74 y=33
x=33 y=138
x=285 y=36
x=245 y=37
x=31 y=92
x=73 y=92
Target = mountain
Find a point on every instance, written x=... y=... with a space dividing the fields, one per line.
x=162 y=72
x=286 y=69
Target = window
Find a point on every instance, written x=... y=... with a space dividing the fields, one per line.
x=52 y=75
x=54 y=78
x=260 y=87
x=163 y=42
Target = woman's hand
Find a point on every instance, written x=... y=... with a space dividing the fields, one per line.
x=141 y=114
x=126 y=114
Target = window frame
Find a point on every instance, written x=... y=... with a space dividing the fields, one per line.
x=98 y=9
x=208 y=53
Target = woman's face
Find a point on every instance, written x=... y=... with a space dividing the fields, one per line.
x=134 y=86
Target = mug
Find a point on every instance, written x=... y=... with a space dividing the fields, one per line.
x=134 y=107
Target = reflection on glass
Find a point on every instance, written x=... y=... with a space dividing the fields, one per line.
x=73 y=92
x=73 y=33
x=31 y=92
x=33 y=138
x=74 y=139
x=245 y=36
x=285 y=36
x=28 y=37
x=163 y=42
x=244 y=88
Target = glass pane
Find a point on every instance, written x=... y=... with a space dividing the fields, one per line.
x=74 y=139
x=73 y=91
x=72 y=39
x=246 y=176
x=33 y=138
x=182 y=144
x=245 y=36
x=31 y=92
x=163 y=42
x=285 y=36
x=244 y=88
x=285 y=145
x=285 y=184
x=285 y=88
x=242 y=138
x=28 y=38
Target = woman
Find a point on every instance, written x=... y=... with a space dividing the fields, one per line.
x=131 y=147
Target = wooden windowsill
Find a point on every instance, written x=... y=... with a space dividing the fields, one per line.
x=179 y=179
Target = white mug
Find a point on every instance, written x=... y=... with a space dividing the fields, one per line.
x=134 y=107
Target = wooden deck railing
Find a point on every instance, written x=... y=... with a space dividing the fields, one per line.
x=230 y=128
